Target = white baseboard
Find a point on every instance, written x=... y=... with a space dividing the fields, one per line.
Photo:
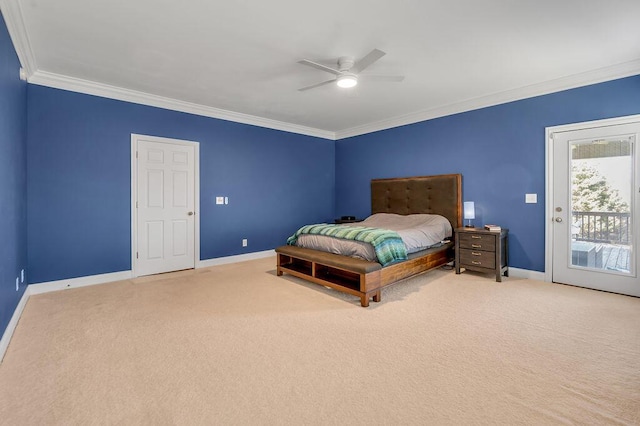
x=50 y=286
x=79 y=282
x=234 y=259
x=47 y=287
x=514 y=272
x=526 y=273
x=13 y=323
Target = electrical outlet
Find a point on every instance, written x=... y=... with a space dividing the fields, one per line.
x=219 y=200
x=17 y=283
x=244 y=242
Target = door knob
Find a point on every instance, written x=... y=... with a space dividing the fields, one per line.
x=190 y=213
x=558 y=219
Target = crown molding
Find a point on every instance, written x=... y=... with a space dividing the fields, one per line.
x=12 y=14
x=600 y=75
x=58 y=81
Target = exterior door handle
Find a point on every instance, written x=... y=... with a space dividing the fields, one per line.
x=558 y=219
x=191 y=213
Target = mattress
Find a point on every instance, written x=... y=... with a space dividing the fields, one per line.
x=418 y=232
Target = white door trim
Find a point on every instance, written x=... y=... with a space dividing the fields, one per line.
x=549 y=214
x=134 y=195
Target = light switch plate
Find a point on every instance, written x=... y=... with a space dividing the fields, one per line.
x=531 y=198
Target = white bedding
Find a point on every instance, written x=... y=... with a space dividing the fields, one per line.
x=418 y=232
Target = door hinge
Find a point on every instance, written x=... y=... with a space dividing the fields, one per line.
x=136 y=154
x=136 y=255
x=136 y=204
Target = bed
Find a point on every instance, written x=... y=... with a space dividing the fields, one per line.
x=438 y=195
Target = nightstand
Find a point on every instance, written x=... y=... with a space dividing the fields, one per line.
x=483 y=251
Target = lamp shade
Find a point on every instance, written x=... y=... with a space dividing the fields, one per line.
x=469 y=210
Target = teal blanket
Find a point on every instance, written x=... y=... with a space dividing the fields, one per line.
x=387 y=244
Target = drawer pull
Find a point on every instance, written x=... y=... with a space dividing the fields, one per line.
x=476 y=237
x=476 y=245
x=476 y=253
x=476 y=263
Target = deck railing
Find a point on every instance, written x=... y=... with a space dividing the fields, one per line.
x=602 y=227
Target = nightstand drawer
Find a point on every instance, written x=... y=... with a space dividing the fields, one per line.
x=477 y=241
x=483 y=251
x=481 y=259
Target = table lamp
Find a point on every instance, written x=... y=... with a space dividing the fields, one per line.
x=469 y=212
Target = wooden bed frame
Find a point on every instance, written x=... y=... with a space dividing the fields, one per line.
x=441 y=194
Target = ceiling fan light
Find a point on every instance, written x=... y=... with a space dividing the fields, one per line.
x=347 y=80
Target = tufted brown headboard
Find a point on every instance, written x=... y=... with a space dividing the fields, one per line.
x=440 y=194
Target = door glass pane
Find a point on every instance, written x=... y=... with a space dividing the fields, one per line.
x=601 y=204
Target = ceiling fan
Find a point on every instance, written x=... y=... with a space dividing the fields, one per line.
x=348 y=71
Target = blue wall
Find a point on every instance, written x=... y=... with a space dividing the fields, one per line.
x=79 y=194
x=78 y=184
x=13 y=226
x=79 y=190
x=500 y=152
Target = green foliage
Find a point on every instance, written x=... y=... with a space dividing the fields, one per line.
x=592 y=192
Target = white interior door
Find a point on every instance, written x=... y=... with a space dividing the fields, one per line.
x=164 y=221
x=595 y=208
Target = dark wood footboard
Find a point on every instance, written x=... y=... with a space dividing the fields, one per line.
x=356 y=276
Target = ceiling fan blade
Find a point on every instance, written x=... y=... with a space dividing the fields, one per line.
x=319 y=66
x=316 y=85
x=373 y=77
x=363 y=63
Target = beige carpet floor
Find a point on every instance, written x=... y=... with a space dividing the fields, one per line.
x=234 y=344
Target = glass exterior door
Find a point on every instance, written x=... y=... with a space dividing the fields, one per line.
x=595 y=207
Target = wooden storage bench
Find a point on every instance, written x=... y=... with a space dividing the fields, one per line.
x=347 y=274
x=356 y=276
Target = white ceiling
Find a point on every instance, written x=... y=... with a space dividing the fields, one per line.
x=241 y=56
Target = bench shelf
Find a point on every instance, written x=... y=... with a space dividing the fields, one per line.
x=355 y=276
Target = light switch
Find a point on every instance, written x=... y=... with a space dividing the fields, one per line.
x=219 y=200
x=531 y=198
x=226 y=200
